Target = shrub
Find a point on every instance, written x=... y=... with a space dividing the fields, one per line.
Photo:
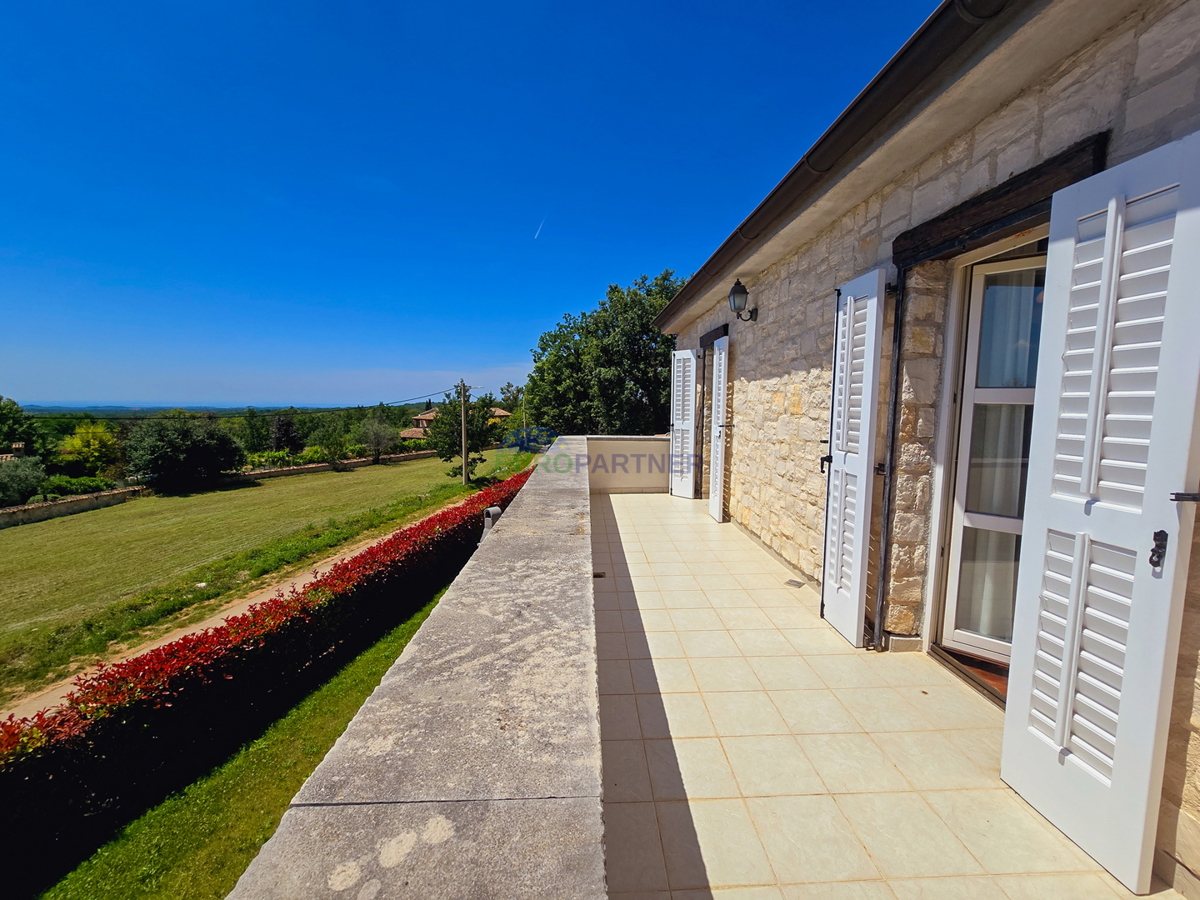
x=132 y=732
x=183 y=451
x=308 y=456
x=19 y=480
x=270 y=459
x=73 y=487
x=416 y=445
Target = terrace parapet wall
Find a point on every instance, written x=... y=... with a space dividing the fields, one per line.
x=474 y=768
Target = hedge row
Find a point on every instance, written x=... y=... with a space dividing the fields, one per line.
x=131 y=733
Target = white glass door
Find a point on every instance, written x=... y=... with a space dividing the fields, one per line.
x=1003 y=328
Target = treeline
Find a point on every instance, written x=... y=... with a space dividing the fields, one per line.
x=78 y=453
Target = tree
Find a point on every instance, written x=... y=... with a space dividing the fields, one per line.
x=331 y=440
x=607 y=371
x=377 y=436
x=285 y=435
x=94 y=445
x=18 y=427
x=445 y=431
x=19 y=480
x=254 y=431
x=181 y=451
x=511 y=396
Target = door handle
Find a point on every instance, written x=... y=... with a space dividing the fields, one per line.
x=828 y=458
x=1159 y=551
x=1185 y=498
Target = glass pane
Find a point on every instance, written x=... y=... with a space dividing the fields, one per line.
x=1009 y=329
x=987 y=583
x=999 y=458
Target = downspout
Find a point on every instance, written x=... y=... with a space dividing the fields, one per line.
x=889 y=480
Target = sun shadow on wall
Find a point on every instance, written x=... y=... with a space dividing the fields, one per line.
x=650 y=838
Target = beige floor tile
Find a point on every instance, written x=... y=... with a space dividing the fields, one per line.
x=708 y=644
x=647 y=620
x=1059 y=887
x=779 y=597
x=696 y=620
x=619 y=718
x=641 y=569
x=882 y=710
x=731 y=598
x=664 y=675
x=673 y=568
x=641 y=600
x=673 y=716
x=712 y=843
x=739 y=567
x=655 y=644
x=728 y=673
x=814 y=712
x=642 y=583
x=762 y=892
x=811 y=642
x=758 y=581
x=677 y=582
x=840 y=890
x=690 y=769
x=852 y=763
x=771 y=765
x=905 y=837
x=784 y=673
x=745 y=619
x=608 y=620
x=932 y=763
x=846 y=671
x=633 y=848
x=808 y=839
x=714 y=581
x=980 y=745
x=626 y=777
x=961 y=887
x=1005 y=834
x=954 y=706
x=606 y=601
x=793 y=617
x=639 y=895
x=763 y=642
x=911 y=669
x=744 y=712
x=685 y=600
x=611 y=645
x=613 y=676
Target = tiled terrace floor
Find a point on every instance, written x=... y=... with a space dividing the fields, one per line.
x=751 y=754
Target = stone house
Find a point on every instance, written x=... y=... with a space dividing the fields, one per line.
x=940 y=399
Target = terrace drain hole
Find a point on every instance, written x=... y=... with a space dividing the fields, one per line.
x=598 y=574
x=792 y=582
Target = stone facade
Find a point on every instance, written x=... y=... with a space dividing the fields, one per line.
x=1140 y=81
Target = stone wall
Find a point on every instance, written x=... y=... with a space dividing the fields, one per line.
x=53 y=509
x=1138 y=81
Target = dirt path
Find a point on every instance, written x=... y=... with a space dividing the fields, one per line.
x=54 y=694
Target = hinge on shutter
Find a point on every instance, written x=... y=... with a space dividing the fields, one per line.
x=1180 y=497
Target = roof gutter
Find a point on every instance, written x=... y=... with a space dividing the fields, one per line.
x=942 y=35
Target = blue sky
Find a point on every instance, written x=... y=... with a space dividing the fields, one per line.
x=336 y=203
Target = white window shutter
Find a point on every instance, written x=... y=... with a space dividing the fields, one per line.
x=853 y=415
x=716 y=464
x=683 y=423
x=1096 y=628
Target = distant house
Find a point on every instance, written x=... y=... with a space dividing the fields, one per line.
x=422 y=421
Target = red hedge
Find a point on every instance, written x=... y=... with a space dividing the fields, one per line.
x=159 y=675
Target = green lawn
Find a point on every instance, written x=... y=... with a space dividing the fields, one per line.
x=70 y=586
x=196 y=843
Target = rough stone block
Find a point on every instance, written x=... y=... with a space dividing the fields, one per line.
x=1168 y=42
x=501 y=849
x=1161 y=100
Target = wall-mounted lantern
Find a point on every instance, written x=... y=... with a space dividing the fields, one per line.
x=738 y=298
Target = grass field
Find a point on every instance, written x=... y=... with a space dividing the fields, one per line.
x=196 y=844
x=70 y=586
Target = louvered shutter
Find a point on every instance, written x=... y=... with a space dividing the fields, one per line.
x=1096 y=627
x=852 y=448
x=683 y=423
x=716 y=464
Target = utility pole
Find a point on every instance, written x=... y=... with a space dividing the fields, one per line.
x=462 y=396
